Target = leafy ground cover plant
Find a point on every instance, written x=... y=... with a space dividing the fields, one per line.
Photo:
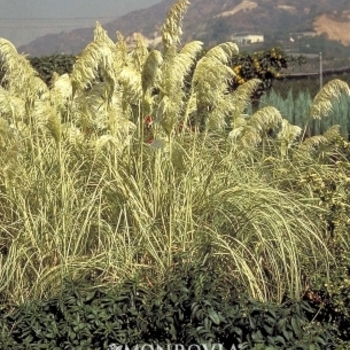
x=196 y=304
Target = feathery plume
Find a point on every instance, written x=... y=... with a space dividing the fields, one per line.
x=97 y=55
x=322 y=103
x=151 y=70
x=171 y=29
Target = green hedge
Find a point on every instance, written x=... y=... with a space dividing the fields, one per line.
x=193 y=306
x=47 y=65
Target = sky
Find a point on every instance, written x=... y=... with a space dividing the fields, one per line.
x=21 y=21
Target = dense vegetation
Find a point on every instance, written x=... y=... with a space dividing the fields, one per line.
x=140 y=161
x=294 y=106
x=306 y=84
x=47 y=66
x=331 y=49
x=210 y=306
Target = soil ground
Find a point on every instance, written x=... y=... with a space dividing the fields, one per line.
x=335 y=30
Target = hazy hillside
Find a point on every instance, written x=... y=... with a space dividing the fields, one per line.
x=215 y=21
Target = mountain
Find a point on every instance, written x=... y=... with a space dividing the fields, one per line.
x=214 y=21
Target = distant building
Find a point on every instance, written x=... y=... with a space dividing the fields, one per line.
x=247 y=38
x=298 y=35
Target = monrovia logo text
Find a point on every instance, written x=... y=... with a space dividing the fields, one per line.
x=173 y=347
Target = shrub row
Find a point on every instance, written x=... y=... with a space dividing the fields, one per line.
x=46 y=66
x=194 y=305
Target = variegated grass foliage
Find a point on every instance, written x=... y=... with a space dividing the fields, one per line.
x=84 y=196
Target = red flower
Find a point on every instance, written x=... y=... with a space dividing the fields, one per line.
x=148 y=120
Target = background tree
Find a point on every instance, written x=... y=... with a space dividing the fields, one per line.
x=264 y=65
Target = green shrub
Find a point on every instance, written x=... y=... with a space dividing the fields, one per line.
x=194 y=305
x=46 y=66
